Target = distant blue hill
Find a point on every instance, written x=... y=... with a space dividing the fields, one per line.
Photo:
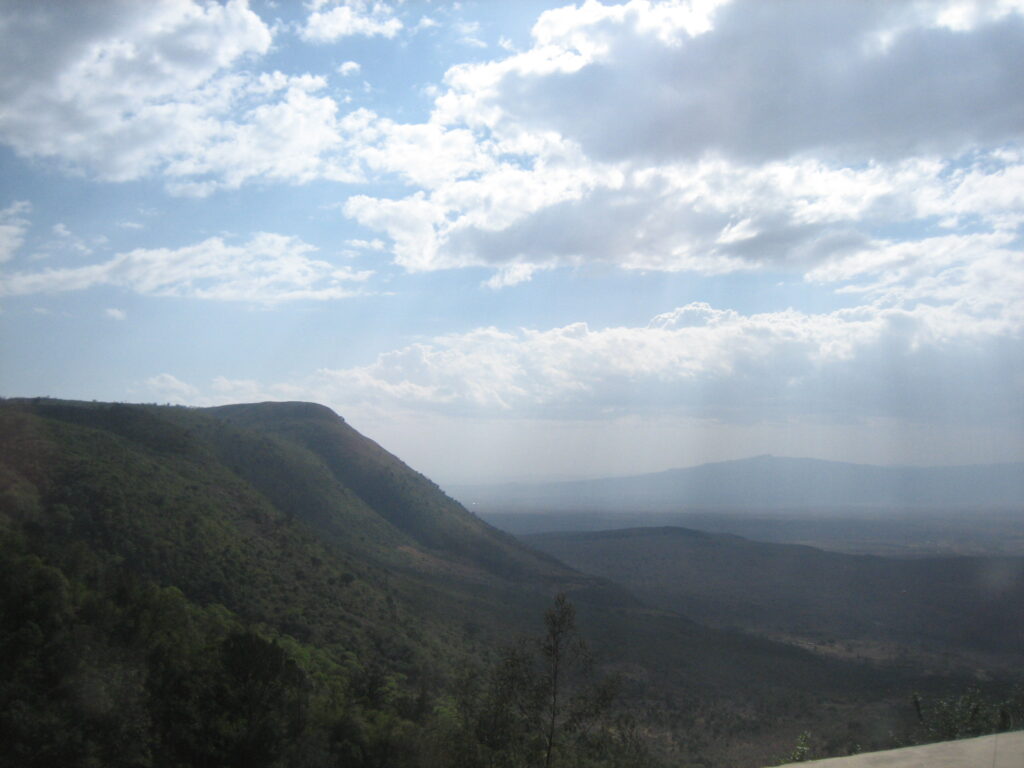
x=769 y=482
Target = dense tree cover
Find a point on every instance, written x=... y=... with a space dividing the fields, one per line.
x=185 y=592
x=99 y=667
x=540 y=704
x=262 y=586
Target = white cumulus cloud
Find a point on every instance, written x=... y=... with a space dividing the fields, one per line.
x=331 y=21
x=163 y=88
x=169 y=388
x=269 y=268
x=711 y=137
x=13 y=228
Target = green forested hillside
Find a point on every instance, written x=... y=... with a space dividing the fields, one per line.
x=399 y=496
x=158 y=561
x=261 y=585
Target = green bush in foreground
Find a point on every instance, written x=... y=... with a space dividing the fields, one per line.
x=968 y=714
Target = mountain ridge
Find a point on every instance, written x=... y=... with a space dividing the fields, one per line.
x=768 y=481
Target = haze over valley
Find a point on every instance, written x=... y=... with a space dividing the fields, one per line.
x=855 y=508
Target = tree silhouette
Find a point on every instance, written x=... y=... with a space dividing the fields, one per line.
x=564 y=656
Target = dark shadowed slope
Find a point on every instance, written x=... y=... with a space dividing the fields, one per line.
x=952 y=603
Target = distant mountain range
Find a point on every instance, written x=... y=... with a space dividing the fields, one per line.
x=767 y=482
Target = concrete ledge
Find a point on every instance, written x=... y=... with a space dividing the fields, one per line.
x=1001 y=750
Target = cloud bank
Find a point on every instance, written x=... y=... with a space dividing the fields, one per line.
x=270 y=268
x=694 y=361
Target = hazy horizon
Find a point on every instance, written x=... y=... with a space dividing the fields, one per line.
x=530 y=240
x=583 y=478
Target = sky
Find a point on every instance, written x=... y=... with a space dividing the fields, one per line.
x=528 y=240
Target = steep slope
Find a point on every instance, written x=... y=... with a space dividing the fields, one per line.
x=264 y=483
x=769 y=482
x=179 y=589
x=409 y=502
x=144 y=494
